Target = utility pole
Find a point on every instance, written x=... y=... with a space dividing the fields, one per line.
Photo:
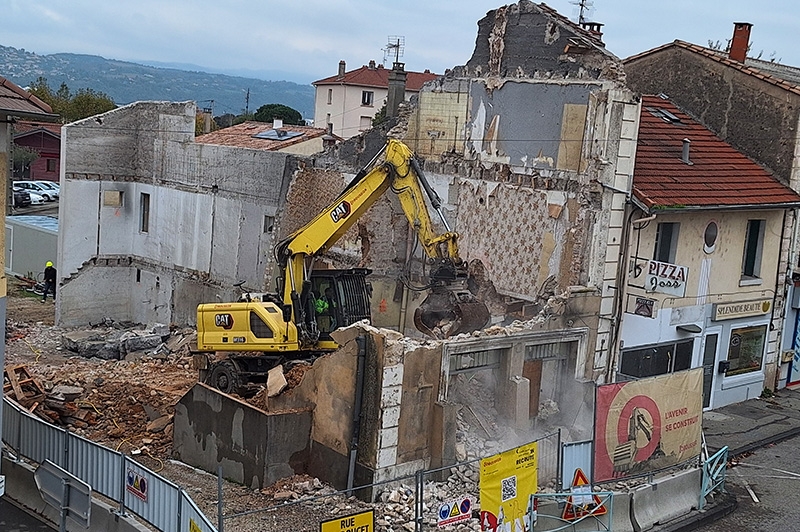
x=247 y=105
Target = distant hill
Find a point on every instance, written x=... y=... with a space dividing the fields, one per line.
x=128 y=82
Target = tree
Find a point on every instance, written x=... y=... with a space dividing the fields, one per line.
x=84 y=103
x=21 y=159
x=266 y=113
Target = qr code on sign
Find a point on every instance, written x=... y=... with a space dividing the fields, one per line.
x=508 y=488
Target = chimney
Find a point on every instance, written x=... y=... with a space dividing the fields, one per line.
x=685 y=153
x=207 y=118
x=397 y=89
x=740 y=42
x=277 y=123
x=342 y=66
x=330 y=128
x=372 y=64
x=595 y=28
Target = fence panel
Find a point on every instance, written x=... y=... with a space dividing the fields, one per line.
x=575 y=455
x=12 y=417
x=98 y=466
x=151 y=497
x=451 y=493
x=40 y=441
x=192 y=519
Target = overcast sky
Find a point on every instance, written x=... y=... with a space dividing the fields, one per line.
x=305 y=39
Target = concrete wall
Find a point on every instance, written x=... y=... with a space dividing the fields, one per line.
x=206 y=223
x=715 y=275
x=253 y=447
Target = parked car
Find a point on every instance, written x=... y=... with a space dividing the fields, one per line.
x=21 y=197
x=32 y=186
x=52 y=185
x=36 y=199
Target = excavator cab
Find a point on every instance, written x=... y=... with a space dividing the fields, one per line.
x=339 y=298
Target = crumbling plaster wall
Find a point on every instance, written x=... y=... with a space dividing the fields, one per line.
x=206 y=223
x=528 y=40
x=401 y=386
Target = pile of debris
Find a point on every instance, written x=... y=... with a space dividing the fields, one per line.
x=124 y=343
x=56 y=405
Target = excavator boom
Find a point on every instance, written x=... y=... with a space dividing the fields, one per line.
x=450 y=307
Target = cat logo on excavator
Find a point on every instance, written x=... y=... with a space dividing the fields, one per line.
x=341 y=211
x=223 y=320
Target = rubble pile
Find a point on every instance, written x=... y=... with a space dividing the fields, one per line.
x=118 y=343
x=119 y=387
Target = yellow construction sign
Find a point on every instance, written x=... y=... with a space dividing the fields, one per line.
x=361 y=522
x=507 y=481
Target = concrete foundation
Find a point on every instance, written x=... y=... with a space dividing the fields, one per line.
x=253 y=447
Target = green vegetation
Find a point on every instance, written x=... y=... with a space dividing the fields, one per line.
x=270 y=111
x=72 y=107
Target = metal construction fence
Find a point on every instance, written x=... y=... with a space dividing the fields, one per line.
x=110 y=473
x=423 y=495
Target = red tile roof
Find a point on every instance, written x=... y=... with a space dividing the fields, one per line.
x=721 y=58
x=719 y=176
x=377 y=77
x=241 y=135
x=18 y=102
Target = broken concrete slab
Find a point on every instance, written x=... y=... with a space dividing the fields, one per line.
x=159 y=424
x=139 y=341
x=66 y=392
x=276 y=381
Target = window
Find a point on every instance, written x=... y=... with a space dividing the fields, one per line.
x=754 y=241
x=269 y=221
x=330 y=96
x=710 y=237
x=666 y=242
x=51 y=165
x=258 y=327
x=144 y=213
x=367 y=97
x=746 y=349
x=657 y=359
x=365 y=123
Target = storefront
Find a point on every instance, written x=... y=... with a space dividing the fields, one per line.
x=729 y=340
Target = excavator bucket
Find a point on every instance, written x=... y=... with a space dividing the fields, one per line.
x=447 y=312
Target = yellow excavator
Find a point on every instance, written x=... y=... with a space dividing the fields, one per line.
x=296 y=321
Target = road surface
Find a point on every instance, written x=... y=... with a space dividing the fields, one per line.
x=12 y=519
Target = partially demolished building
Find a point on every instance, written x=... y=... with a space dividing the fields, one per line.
x=531 y=146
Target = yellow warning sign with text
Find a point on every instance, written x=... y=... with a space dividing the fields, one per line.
x=193 y=527
x=361 y=522
x=507 y=481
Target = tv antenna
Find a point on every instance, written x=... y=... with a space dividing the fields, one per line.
x=395 y=46
x=585 y=10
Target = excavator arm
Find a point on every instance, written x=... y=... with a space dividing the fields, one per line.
x=448 y=301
